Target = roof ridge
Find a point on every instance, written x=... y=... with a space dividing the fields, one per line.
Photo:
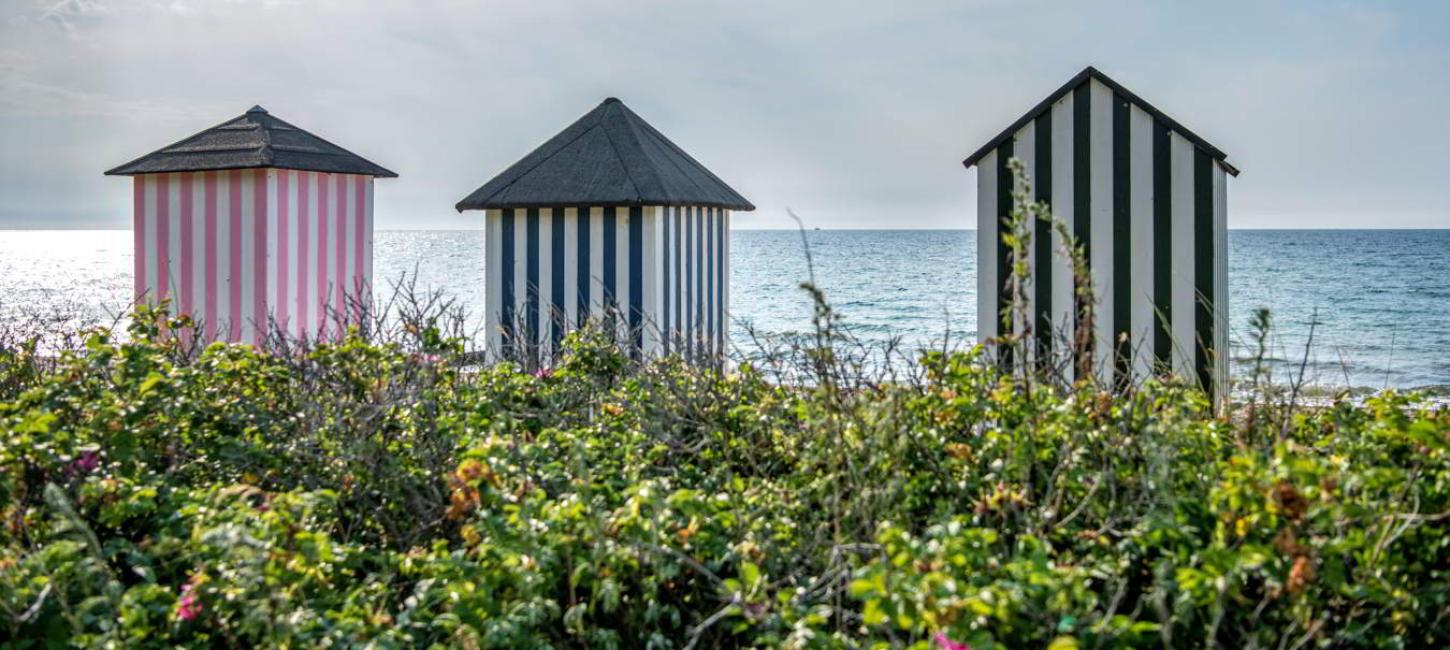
x=628 y=173
x=525 y=172
x=173 y=144
x=697 y=164
x=635 y=123
x=266 y=148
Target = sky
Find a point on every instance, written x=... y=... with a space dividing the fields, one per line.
x=853 y=115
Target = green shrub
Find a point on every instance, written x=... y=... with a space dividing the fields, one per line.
x=388 y=494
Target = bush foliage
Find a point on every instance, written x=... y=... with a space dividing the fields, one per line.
x=387 y=494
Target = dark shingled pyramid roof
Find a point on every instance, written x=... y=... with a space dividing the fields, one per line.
x=609 y=157
x=256 y=139
x=1080 y=79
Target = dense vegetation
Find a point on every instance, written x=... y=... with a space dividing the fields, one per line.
x=384 y=492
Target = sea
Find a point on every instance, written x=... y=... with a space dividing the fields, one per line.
x=1366 y=309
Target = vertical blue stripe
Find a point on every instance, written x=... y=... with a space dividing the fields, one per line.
x=506 y=265
x=679 y=247
x=556 y=304
x=531 y=287
x=710 y=323
x=699 y=274
x=722 y=261
x=581 y=274
x=610 y=258
x=665 y=280
x=687 y=310
x=636 y=277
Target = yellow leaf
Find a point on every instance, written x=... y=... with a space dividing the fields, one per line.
x=1063 y=643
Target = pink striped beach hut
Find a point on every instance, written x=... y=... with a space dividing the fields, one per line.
x=254 y=226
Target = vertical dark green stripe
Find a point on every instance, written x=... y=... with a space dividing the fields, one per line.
x=556 y=275
x=531 y=283
x=1122 y=238
x=1203 y=245
x=1042 y=237
x=1082 y=162
x=581 y=274
x=1082 y=195
x=1162 y=247
x=506 y=282
x=636 y=277
x=1004 y=252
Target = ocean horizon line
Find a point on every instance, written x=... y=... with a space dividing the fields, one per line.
x=811 y=229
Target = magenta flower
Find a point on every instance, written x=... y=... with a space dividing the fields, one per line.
x=85 y=463
x=944 y=642
x=187 y=608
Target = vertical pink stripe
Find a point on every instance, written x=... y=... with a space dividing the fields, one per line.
x=304 y=217
x=138 y=233
x=340 y=247
x=234 y=278
x=360 y=279
x=188 y=263
x=210 y=198
x=322 y=226
x=284 y=251
x=259 y=256
x=163 y=236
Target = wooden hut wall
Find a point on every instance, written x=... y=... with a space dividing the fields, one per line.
x=663 y=270
x=1149 y=208
x=243 y=249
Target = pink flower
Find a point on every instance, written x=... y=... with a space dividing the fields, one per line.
x=944 y=642
x=544 y=373
x=187 y=608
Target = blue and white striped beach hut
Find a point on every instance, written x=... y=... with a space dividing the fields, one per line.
x=1147 y=200
x=608 y=217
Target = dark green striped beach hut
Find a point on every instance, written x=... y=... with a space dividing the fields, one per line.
x=611 y=220
x=1146 y=199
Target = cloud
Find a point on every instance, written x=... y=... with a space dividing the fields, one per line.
x=855 y=114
